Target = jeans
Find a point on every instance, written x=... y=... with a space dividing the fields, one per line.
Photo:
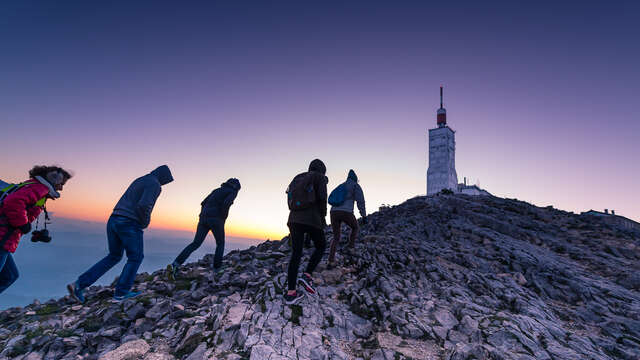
x=297 y=232
x=8 y=270
x=337 y=218
x=123 y=234
x=216 y=226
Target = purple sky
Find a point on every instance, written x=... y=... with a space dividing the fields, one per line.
x=543 y=97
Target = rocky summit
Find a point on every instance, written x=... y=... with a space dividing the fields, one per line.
x=439 y=277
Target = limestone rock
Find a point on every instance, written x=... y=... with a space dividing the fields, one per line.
x=445 y=318
x=127 y=351
x=440 y=277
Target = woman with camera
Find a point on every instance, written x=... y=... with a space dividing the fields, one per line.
x=19 y=208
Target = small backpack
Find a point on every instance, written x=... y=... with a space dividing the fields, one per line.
x=338 y=195
x=300 y=193
x=6 y=189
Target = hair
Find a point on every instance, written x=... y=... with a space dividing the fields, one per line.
x=43 y=170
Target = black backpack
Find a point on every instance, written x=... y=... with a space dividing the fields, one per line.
x=300 y=193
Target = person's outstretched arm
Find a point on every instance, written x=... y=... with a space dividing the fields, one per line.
x=321 y=196
x=228 y=200
x=147 y=202
x=360 y=201
x=15 y=205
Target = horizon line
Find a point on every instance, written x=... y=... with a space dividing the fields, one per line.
x=249 y=235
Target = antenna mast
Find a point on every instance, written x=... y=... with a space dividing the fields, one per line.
x=441 y=113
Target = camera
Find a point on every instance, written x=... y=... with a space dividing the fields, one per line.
x=40 y=236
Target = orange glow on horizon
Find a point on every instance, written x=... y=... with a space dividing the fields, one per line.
x=248 y=232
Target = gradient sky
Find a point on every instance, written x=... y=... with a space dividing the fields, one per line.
x=543 y=96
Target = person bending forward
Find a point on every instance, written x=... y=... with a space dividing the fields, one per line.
x=129 y=218
x=215 y=209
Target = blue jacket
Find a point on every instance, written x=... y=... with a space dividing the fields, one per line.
x=137 y=202
x=217 y=204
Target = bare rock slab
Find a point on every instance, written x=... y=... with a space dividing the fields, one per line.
x=128 y=351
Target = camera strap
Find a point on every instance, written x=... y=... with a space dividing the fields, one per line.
x=46 y=218
x=11 y=229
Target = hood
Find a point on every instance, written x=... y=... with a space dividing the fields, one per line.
x=52 y=192
x=232 y=183
x=163 y=174
x=352 y=175
x=318 y=166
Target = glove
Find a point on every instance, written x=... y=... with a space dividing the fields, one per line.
x=25 y=229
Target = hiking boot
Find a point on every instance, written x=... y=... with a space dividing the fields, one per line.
x=76 y=293
x=292 y=299
x=172 y=272
x=218 y=271
x=307 y=282
x=129 y=295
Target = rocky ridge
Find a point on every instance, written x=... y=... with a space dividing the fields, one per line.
x=440 y=277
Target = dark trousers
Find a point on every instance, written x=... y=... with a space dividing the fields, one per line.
x=337 y=218
x=216 y=226
x=123 y=234
x=8 y=270
x=297 y=232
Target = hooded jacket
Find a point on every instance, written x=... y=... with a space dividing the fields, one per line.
x=354 y=194
x=138 y=201
x=22 y=207
x=315 y=215
x=217 y=204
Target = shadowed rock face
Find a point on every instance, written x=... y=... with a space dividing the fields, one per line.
x=443 y=277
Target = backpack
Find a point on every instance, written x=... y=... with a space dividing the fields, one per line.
x=300 y=193
x=338 y=195
x=7 y=188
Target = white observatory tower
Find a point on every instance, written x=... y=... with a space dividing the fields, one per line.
x=441 y=173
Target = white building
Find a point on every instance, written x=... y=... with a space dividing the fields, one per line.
x=441 y=173
x=463 y=188
x=614 y=219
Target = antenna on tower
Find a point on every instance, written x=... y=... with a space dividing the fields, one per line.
x=441 y=113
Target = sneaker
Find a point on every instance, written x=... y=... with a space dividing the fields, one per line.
x=76 y=293
x=307 y=282
x=129 y=295
x=292 y=299
x=172 y=272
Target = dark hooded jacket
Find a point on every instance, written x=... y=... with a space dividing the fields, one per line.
x=315 y=215
x=217 y=204
x=139 y=199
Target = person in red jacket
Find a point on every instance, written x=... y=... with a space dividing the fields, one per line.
x=20 y=208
